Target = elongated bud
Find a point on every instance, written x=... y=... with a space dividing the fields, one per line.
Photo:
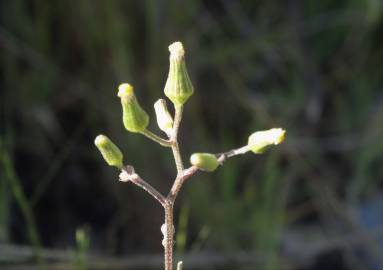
x=109 y=151
x=164 y=119
x=134 y=117
x=260 y=140
x=204 y=161
x=178 y=87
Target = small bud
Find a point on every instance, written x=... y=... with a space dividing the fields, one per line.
x=134 y=117
x=178 y=87
x=260 y=140
x=164 y=119
x=204 y=161
x=109 y=151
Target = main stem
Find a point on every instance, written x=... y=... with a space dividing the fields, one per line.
x=177 y=158
x=169 y=242
x=169 y=234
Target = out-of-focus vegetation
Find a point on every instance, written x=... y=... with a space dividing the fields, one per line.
x=312 y=67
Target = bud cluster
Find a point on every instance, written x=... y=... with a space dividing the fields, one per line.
x=178 y=88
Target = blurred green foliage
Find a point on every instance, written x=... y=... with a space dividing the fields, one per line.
x=312 y=67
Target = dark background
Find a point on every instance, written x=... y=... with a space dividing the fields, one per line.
x=312 y=67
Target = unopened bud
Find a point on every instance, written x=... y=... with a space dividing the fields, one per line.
x=135 y=119
x=260 y=140
x=204 y=161
x=178 y=87
x=164 y=119
x=109 y=151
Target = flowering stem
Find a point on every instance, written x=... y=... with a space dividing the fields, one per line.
x=169 y=233
x=178 y=89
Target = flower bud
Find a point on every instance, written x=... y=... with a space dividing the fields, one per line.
x=178 y=87
x=260 y=140
x=204 y=161
x=109 y=151
x=134 y=117
x=164 y=119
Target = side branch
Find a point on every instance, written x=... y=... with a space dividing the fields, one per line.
x=156 y=138
x=128 y=174
x=187 y=173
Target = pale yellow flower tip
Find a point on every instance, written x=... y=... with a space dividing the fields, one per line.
x=176 y=50
x=135 y=119
x=125 y=90
x=275 y=135
x=258 y=141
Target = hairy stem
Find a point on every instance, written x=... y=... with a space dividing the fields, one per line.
x=168 y=237
x=156 y=138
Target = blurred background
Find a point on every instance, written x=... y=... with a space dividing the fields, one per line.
x=312 y=67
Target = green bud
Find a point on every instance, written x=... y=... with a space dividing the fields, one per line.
x=204 y=161
x=109 y=151
x=164 y=119
x=134 y=117
x=260 y=140
x=178 y=87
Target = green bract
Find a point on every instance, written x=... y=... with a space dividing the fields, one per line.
x=178 y=87
x=109 y=151
x=134 y=117
x=204 y=161
x=260 y=140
